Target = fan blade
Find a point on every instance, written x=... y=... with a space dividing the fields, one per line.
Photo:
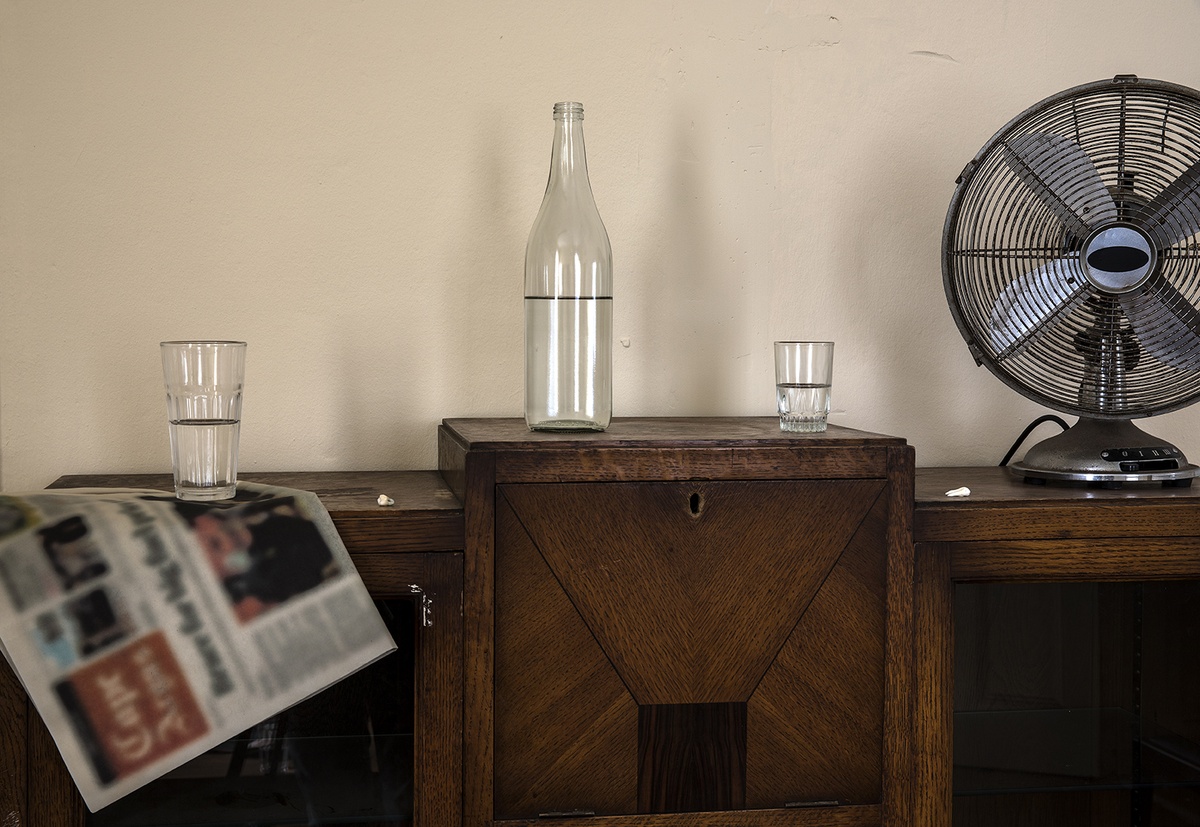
x=1166 y=324
x=1174 y=214
x=1034 y=298
x=1062 y=175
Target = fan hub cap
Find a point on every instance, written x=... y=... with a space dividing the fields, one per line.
x=1118 y=258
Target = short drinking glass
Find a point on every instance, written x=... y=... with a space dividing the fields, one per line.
x=204 y=414
x=803 y=377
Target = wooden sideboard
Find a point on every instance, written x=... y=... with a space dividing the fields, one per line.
x=684 y=621
x=1009 y=537
x=415 y=543
x=559 y=677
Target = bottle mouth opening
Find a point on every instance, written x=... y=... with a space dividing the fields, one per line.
x=568 y=109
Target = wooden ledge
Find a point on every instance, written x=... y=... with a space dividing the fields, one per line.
x=426 y=515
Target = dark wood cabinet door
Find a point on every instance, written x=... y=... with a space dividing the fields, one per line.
x=684 y=646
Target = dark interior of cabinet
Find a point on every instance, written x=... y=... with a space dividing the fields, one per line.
x=344 y=756
x=1077 y=704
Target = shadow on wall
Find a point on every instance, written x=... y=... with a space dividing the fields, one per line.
x=914 y=366
x=380 y=420
x=452 y=342
x=476 y=312
x=694 y=315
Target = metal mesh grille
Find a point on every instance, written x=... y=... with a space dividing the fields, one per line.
x=1013 y=262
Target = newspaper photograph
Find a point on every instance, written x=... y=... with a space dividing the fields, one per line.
x=148 y=630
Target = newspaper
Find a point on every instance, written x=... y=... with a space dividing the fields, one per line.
x=148 y=630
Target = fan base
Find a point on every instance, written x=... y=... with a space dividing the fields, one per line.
x=1107 y=452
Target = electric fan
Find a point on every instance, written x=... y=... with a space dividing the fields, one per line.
x=1072 y=269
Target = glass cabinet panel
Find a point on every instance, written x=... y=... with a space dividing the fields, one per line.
x=344 y=756
x=1077 y=704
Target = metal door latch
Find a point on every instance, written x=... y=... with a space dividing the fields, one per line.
x=426 y=605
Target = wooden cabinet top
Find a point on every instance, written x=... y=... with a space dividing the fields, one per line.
x=668 y=448
x=1004 y=507
x=426 y=516
x=667 y=432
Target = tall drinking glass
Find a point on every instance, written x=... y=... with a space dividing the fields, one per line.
x=204 y=413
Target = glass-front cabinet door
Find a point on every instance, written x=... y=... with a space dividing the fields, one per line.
x=344 y=756
x=1076 y=704
x=1057 y=652
x=381 y=747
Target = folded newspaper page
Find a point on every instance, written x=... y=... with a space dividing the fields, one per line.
x=148 y=630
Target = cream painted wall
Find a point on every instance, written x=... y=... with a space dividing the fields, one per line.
x=349 y=185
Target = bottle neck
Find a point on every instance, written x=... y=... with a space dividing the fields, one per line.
x=568 y=158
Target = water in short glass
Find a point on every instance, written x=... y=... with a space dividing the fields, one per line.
x=803 y=378
x=568 y=294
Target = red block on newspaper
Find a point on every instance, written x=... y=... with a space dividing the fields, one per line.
x=132 y=707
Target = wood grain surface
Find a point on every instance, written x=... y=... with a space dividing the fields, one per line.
x=933 y=716
x=566 y=725
x=815 y=816
x=426 y=515
x=899 y=670
x=479 y=584
x=816 y=718
x=668 y=576
x=13 y=771
x=691 y=757
x=1002 y=506
x=650 y=432
x=585 y=549
x=437 y=777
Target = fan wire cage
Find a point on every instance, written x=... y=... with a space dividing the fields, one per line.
x=1070 y=260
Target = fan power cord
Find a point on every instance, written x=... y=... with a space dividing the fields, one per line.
x=1028 y=430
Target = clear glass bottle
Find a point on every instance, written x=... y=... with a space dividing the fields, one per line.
x=568 y=294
